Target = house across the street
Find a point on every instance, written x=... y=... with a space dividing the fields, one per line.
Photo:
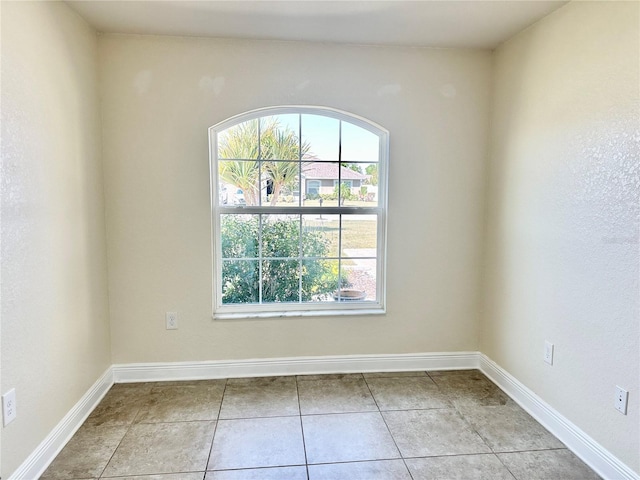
x=322 y=178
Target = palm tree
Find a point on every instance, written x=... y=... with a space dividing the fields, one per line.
x=239 y=144
x=278 y=144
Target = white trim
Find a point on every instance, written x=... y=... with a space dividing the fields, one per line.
x=375 y=309
x=149 y=372
x=592 y=453
x=36 y=463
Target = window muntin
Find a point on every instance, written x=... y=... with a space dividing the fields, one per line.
x=278 y=252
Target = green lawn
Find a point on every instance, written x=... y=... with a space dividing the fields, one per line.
x=355 y=233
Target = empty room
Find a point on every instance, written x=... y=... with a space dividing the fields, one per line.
x=305 y=240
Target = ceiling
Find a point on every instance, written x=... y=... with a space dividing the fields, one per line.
x=454 y=23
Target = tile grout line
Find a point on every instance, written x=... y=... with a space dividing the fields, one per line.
x=215 y=428
x=129 y=427
x=465 y=420
x=504 y=465
x=304 y=443
x=493 y=452
x=388 y=429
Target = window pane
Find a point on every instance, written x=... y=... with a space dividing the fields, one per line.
x=369 y=187
x=359 y=235
x=320 y=137
x=320 y=235
x=280 y=281
x=240 y=281
x=280 y=236
x=239 y=142
x=319 y=280
x=359 y=279
x=240 y=179
x=362 y=196
x=320 y=184
x=358 y=144
x=239 y=236
x=280 y=184
x=319 y=180
x=223 y=193
x=279 y=137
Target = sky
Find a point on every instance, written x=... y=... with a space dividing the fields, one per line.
x=322 y=133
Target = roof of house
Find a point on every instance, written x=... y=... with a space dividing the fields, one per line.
x=329 y=170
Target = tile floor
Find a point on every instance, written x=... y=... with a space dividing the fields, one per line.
x=372 y=426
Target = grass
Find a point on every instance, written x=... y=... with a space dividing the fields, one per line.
x=355 y=233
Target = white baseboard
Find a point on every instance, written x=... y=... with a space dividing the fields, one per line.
x=592 y=453
x=149 y=372
x=43 y=455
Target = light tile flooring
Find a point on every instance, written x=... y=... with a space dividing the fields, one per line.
x=372 y=426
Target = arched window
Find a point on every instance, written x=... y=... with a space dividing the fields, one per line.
x=299 y=213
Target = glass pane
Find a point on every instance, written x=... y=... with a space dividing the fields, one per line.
x=240 y=281
x=319 y=280
x=355 y=186
x=280 y=281
x=223 y=193
x=240 y=180
x=319 y=180
x=362 y=195
x=280 y=236
x=239 y=236
x=369 y=187
x=279 y=137
x=358 y=279
x=280 y=184
x=320 y=235
x=358 y=144
x=320 y=137
x=359 y=235
x=239 y=142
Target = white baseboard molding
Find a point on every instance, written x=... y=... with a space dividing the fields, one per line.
x=149 y=372
x=36 y=463
x=592 y=453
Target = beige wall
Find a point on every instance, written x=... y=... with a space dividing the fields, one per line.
x=55 y=325
x=563 y=216
x=159 y=96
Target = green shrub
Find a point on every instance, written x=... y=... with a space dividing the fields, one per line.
x=280 y=278
x=345 y=192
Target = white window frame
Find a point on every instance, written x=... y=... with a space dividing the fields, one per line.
x=291 y=309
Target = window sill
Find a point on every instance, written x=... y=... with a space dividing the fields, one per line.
x=299 y=313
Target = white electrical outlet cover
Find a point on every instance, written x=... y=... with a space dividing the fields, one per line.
x=172 y=320
x=621 y=400
x=548 y=352
x=9 y=407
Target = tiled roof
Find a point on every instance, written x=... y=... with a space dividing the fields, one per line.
x=329 y=170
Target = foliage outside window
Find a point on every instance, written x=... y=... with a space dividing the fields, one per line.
x=298 y=213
